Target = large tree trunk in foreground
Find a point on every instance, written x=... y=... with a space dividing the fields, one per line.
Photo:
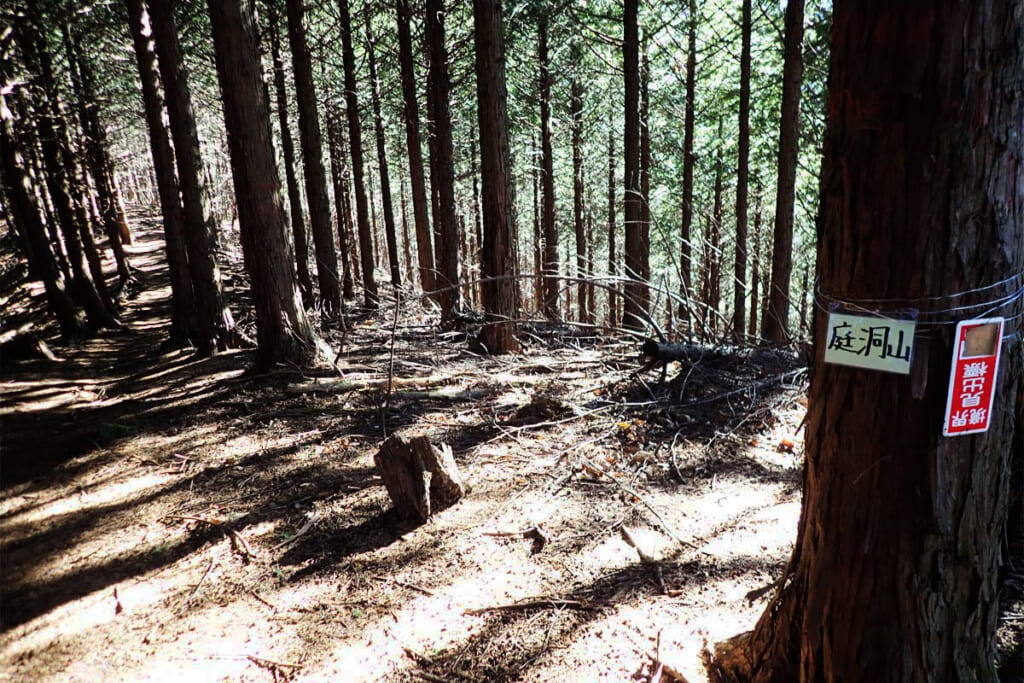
x=282 y=329
x=214 y=319
x=298 y=221
x=499 y=266
x=355 y=143
x=776 y=323
x=182 y=302
x=893 y=577
x=328 y=278
x=424 y=245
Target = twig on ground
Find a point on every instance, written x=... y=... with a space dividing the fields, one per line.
x=532 y=603
x=202 y=579
x=301 y=532
x=407 y=584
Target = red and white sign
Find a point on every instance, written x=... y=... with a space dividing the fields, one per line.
x=972 y=379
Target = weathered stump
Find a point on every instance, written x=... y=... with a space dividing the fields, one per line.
x=418 y=476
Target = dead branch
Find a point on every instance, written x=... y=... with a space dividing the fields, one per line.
x=533 y=603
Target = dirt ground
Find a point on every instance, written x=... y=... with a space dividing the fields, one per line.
x=165 y=517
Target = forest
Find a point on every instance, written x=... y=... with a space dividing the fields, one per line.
x=471 y=341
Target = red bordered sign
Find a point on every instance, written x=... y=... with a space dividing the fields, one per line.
x=972 y=379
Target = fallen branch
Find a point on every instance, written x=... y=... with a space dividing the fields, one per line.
x=299 y=534
x=533 y=603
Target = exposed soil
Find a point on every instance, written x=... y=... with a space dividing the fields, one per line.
x=166 y=517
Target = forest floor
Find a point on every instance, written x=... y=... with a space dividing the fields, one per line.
x=166 y=517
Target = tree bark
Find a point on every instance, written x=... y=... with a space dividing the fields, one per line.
x=424 y=244
x=213 y=317
x=613 y=270
x=739 y=280
x=645 y=177
x=298 y=221
x=498 y=258
x=775 y=325
x=686 y=226
x=182 y=301
x=312 y=158
x=355 y=143
x=446 y=222
x=419 y=477
x=390 y=234
x=576 y=112
x=893 y=576
x=547 y=175
x=632 y=317
x=755 y=265
x=283 y=331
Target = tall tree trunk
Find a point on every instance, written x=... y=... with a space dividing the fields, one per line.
x=498 y=263
x=213 y=318
x=686 y=226
x=97 y=152
x=445 y=223
x=60 y=168
x=312 y=157
x=406 y=237
x=382 y=161
x=283 y=331
x=339 y=180
x=182 y=301
x=20 y=201
x=547 y=175
x=298 y=221
x=424 y=245
x=645 y=176
x=613 y=305
x=755 y=265
x=633 y=313
x=538 y=242
x=893 y=576
x=355 y=143
x=775 y=325
x=714 y=299
x=576 y=111
x=739 y=280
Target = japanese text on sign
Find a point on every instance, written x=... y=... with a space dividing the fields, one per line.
x=972 y=378
x=871 y=342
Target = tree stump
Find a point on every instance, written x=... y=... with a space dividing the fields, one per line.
x=418 y=476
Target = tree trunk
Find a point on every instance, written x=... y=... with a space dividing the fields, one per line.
x=339 y=181
x=755 y=265
x=893 y=577
x=406 y=237
x=498 y=263
x=20 y=202
x=714 y=294
x=298 y=221
x=632 y=316
x=547 y=175
x=576 y=111
x=613 y=305
x=775 y=325
x=424 y=245
x=686 y=227
x=419 y=477
x=390 y=233
x=283 y=331
x=213 y=317
x=182 y=301
x=312 y=158
x=445 y=223
x=739 y=280
x=645 y=178
x=538 y=242
x=355 y=143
